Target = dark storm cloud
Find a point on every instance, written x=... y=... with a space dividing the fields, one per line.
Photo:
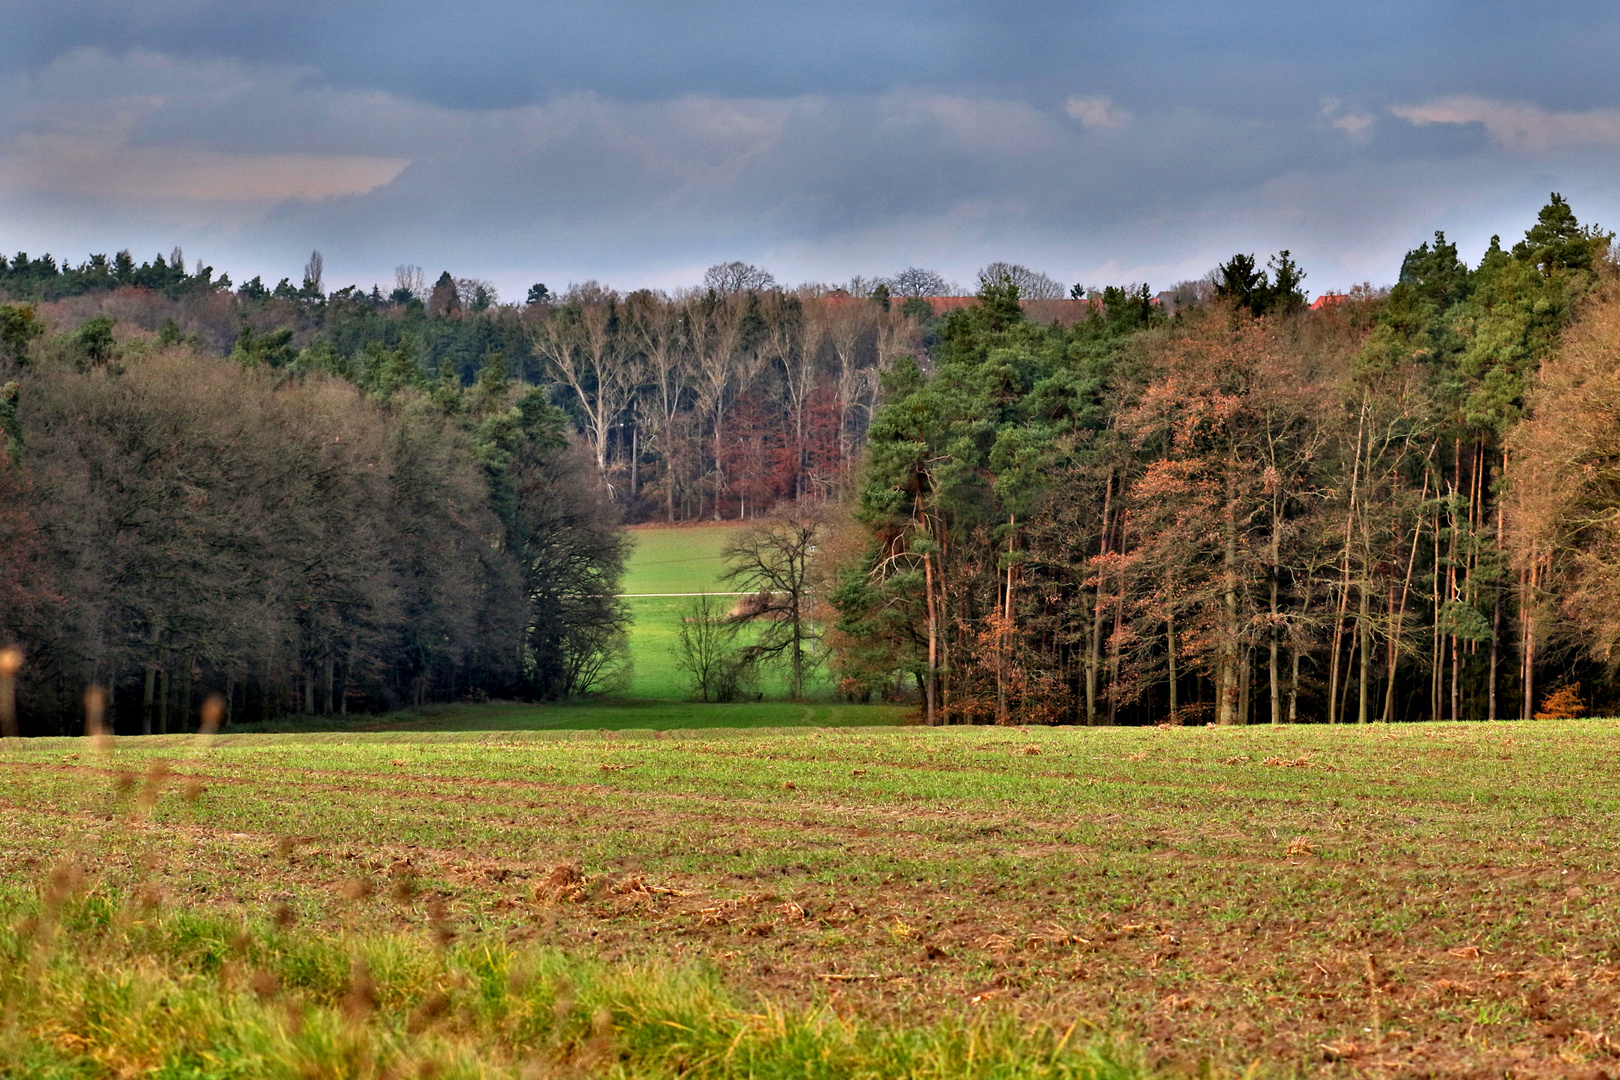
x=640 y=141
x=495 y=53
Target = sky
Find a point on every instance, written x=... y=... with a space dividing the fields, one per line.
x=637 y=143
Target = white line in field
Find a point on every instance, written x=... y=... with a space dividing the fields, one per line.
x=633 y=595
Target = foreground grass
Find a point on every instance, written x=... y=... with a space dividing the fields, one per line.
x=104 y=987
x=1422 y=900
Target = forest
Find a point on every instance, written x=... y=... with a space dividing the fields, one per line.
x=1216 y=504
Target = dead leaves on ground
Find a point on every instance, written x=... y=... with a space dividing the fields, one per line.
x=1301 y=762
x=1300 y=845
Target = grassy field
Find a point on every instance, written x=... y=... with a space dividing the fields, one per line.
x=680 y=560
x=667 y=560
x=635 y=715
x=1434 y=900
x=677 y=559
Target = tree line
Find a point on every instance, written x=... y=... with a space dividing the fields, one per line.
x=1253 y=511
x=1215 y=504
x=174 y=525
x=713 y=402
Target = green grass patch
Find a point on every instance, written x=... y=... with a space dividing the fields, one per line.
x=678 y=559
x=655 y=674
x=682 y=559
x=100 y=994
x=654 y=639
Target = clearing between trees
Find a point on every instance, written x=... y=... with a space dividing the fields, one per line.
x=1379 y=900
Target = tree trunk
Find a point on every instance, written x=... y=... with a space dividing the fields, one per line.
x=1245 y=685
x=1496 y=613
x=1344 y=694
x=1496 y=635
x=1457 y=666
x=944 y=627
x=1114 y=638
x=1170 y=651
x=933 y=638
x=1295 y=653
x=1364 y=630
x=1094 y=649
x=163 y=700
x=1530 y=637
x=1293 y=689
x=149 y=689
x=1399 y=614
x=719 y=453
x=1394 y=637
x=1274 y=645
x=1227 y=690
x=1337 y=638
x=798 y=646
x=1004 y=632
x=1452 y=583
x=264 y=693
x=1436 y=659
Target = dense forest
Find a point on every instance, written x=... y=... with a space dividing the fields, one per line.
x=1393 y=507
x=175 y=523
x=1218 y=503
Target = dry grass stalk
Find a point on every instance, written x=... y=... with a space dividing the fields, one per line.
x=11 y=660
x=95 y=714
x=439 y=924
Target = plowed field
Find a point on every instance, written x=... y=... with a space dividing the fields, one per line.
x=1403 y=901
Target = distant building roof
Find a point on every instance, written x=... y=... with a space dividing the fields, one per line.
x=1328 y=300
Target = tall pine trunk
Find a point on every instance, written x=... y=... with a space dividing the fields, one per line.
x=1227 y=690
x=1094 y=648
x=1274 y=629
x=163 y=700
x=933 y=639
x=1170 y=650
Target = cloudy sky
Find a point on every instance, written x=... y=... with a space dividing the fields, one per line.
x=638 y=142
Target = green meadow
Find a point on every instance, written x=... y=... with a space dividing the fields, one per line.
x=679 y=560
x=682 y=559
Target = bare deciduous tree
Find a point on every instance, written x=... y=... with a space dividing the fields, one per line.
x=1032 y=284
x=772 y=560
x=915 y=281
x=581 y=341
x=849 y=326
x=704 y=650
x=736 y=277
